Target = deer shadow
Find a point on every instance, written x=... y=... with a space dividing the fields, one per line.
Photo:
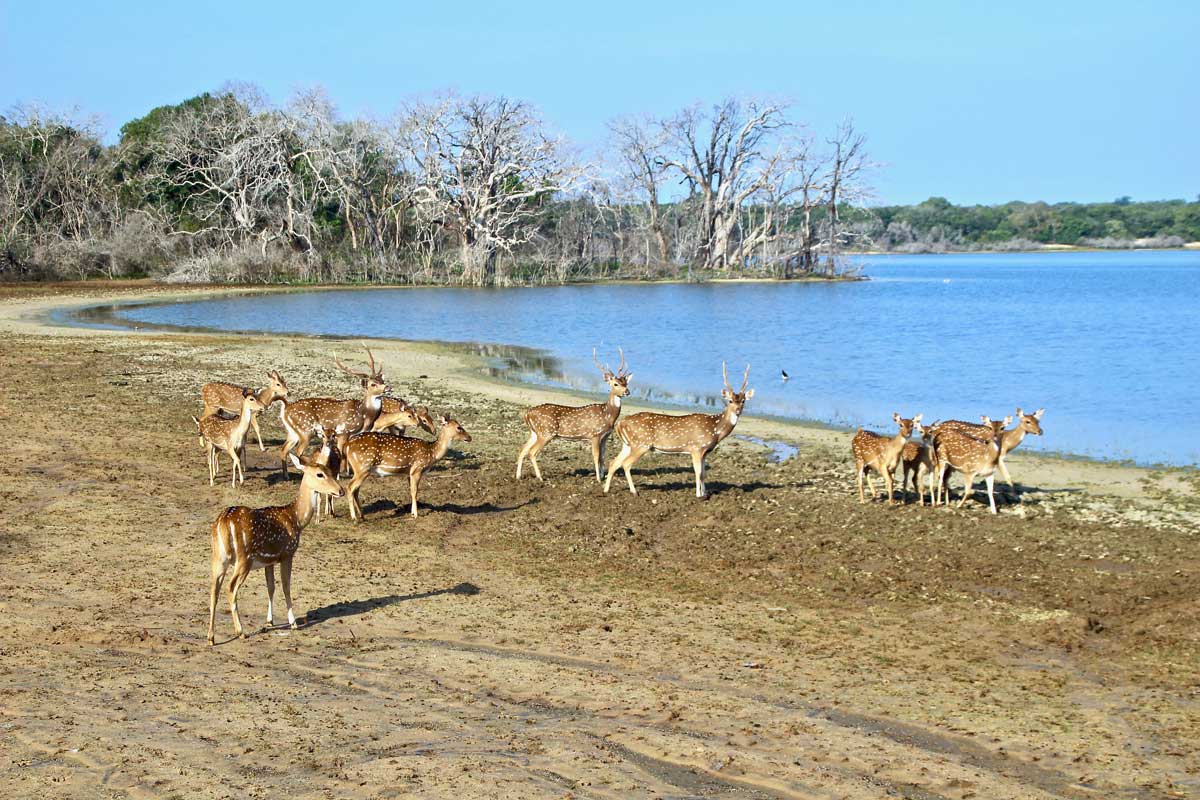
x=713 y=487
x=352 y=608
x=402 y=509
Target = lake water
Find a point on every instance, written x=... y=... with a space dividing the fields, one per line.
x=1108 y=343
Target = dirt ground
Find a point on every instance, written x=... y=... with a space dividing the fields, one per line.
x=527 y=640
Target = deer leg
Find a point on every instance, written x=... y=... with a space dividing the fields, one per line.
x=698 y=467
x=524 y=452
x=629 y=461
x=240 y=571
x=970 y=481
x=889 y=480
x=615 y=465
x=990 y=480
x=533 y=454
x=943 y=496
x=257 y=432
x=269 y=574
x=414 y=480
x=870 y=483
x=597 y=455
x=356 y=513
x=862 y=498
x=237 y=464
x=214 y=589
x=285 y=574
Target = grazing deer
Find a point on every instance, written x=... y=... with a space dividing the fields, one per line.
x=228 y=435
x=388 y=454
x=916 y=458
x=873 y=451
x=303 y=418
x=227 y=397
x=245 y=538
x=591 y=422
x=694 y=434
x=395 y=415
x=972 y=457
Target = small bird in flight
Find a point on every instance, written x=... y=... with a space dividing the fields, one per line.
x=783 y=372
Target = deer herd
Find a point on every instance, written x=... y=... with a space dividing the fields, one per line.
x=367 y=436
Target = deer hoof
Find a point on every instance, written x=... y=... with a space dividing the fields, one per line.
x=293 y=626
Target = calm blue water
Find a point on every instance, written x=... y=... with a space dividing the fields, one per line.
x=1108 y=343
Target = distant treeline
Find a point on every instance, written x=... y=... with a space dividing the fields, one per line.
x=475 y=190
x=936 y=225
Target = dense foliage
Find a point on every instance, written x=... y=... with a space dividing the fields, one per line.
x=936 y=225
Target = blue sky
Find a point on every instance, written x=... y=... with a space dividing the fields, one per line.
x=977 y=102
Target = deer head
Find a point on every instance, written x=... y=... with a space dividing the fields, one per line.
x=906 y=425
x=735 y=401
x=277 y=385
x=1031 y=423
x=250 y=400
x=452 y=431
x=618 y=382
x=317 y=476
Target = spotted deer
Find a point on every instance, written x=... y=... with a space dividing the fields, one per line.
x=919 y=458
x=395 y=415
x=1009 y=439
x=304 y=418
x=986 y=429
x=229 y=436
x=247 y=538
x=694 y=434
x=388 y=454
x=874 y=451
x=973 y=457
x=333 y=444
x=592 y=423
x=227 y=397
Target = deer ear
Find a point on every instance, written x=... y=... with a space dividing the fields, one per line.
x=895 y=417
x=445 y=418
x=628 y=377
x=1020 y=413
x=985 y=419
x=749 y=394
x=1038 y=414
x=1008 y=420
x=727 y=394
x=916 y=419
x=299 y=464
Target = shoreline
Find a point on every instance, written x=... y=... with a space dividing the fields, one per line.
x=464 y=369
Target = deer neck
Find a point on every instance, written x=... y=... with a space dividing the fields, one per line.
x=302 y=508
x=612 y=409
x=243 y=421
x=1011 y=438
x=371 y=405
x=266 y=396
x=725 y=423
x=441 y=446
x=896 y=444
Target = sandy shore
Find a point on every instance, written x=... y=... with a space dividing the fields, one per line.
x=545 y=640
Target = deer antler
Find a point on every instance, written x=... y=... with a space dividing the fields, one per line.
x=603 y=369
x=621 y=370
x=745 y=380
x=376 y=371
x=725 y=377
x=348 y=371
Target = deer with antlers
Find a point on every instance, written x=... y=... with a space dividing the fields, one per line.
x=592 y=423
x=304 y=418
x=218 y=434
x=879 y=453
x=245 y=538
x=227 y=397
x=388 y=454
x=694 y=434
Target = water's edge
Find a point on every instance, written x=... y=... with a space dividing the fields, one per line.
x=106 y=316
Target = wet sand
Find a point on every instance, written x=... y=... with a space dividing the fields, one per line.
x=545 y=640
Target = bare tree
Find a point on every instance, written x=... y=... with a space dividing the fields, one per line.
x=640 y=145
x=845 y=185
x=487 y=167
